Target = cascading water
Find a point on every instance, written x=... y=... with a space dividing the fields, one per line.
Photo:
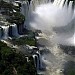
x=38 y=61
x=57 y=21
x=24 y=8
x=14 y=30
x=5 y=32
x=50 y=16
x=35 y=3
x=0 y=33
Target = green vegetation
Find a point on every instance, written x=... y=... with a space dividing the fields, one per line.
x=71 y=71
x=70 y=68
x=16 y=17
x=8 y=6
x=12 y=63
x=12 y=17
x=24 y=40
x=27 y=39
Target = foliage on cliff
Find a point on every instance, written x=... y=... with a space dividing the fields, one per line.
x=12 y=63
x=12 y=12
x=17 y=18
x=24 y=40
x=69 y=68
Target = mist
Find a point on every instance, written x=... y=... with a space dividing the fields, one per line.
x=55 y=20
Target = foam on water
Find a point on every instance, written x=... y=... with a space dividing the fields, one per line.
x=55 y=18
x=57 y=22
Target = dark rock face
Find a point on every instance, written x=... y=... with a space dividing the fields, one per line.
x=29 y=1
x=20 y=29
x=68 y=49
x=69 y=68
x=10 y=31
x=1 y=32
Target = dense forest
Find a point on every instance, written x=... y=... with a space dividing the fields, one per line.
x=13 y=63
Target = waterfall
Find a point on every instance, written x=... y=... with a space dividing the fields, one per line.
x=38 y=61
x=56 y=20
x=24 y=8
x=5 y=32
x=58 y=3
x=0 y=32
x=35 y=3
x=14 y=30
x=57 y=14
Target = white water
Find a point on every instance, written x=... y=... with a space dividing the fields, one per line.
x=14 y=30
x=24 y=8
x=5 y=32
x=38 y=61
x=0 y=32
x=55 y=18
x=57 y=21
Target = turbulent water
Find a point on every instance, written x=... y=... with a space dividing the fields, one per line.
x=57 y=21
x=4 y=31
x=54 y=17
